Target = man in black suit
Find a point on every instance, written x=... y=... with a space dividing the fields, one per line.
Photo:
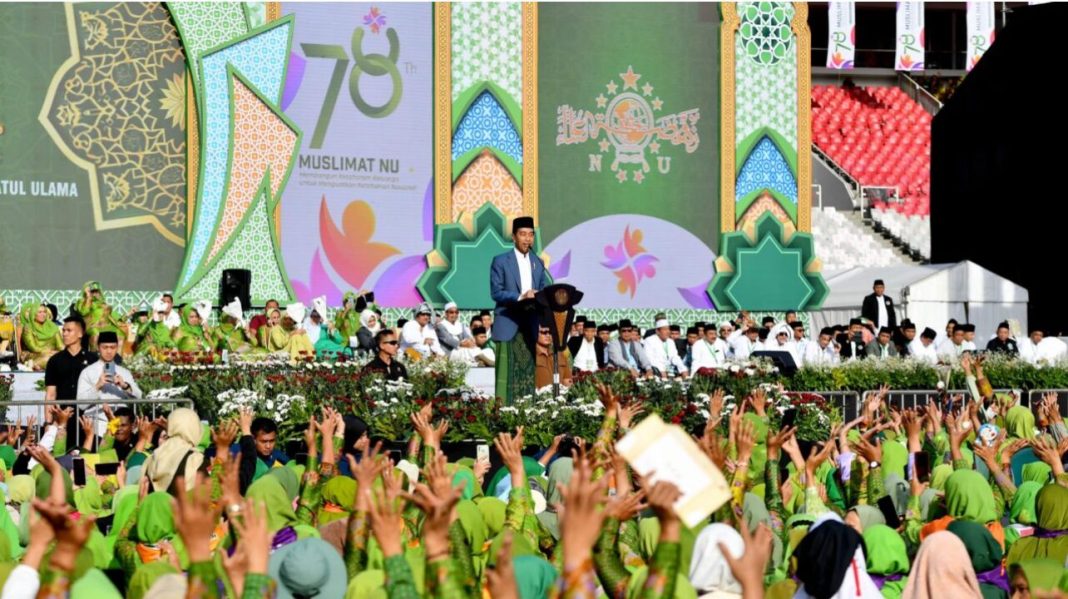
x=879 y=308
x=852 y=341
x=587 y=351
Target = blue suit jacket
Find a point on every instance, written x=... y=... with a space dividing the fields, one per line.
x=505 y=291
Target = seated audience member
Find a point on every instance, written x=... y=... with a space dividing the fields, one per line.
x=193 y=335
x=824 y=351
x=104 y=379
x=386 y=361
x=923 y=348
x=418 y=335
x=451 y=332
x=627 y=352
x=285 y=335
x=1003 y=343
x=40 y=337
x=744 y=345
x=260 y=320
x=883 y=347
x=707 y=352
x=663 y=353
x=232 y=334
x=587 y=350
x=480 y=355
x=370 y=325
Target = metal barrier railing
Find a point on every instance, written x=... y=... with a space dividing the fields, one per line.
x=1035 y=395
x=37 y=410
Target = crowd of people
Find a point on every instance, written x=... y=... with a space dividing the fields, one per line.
x=957 y=499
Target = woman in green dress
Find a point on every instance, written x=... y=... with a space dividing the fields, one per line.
x=232 y=337
x=97 y=314
x=40 y=337
x=192 y=335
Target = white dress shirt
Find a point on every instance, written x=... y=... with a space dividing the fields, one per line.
x=91 y=374
x=741 y=347
x=817 y=356
x=663 y=355
x=707 y=355
x=172 y=320
x=926 y=354
x=586 y=358
x=801 y=349
x=415 y=336
x=526 y=277
x=884 y=318
x=950 y=350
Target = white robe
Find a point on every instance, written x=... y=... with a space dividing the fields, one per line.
x=925 y=354
x=707 y=355
x=663 y=355
x=817 y=356
x=741 y=347
x=414 y=336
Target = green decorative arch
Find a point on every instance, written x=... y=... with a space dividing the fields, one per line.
x=467 y=253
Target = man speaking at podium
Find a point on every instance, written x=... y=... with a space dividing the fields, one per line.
x=515 y=277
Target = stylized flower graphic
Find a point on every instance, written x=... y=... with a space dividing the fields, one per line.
x=173 y=100
x=629 y=261
x=375 y=20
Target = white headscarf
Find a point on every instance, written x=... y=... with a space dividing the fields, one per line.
x=183 y=436
x=365 y=319
x=710 y=574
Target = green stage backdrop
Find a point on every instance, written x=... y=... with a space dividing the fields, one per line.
x=92 y=149
x=628 y=109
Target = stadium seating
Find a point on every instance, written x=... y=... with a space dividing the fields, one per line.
x=842 y=244
x=881 y=137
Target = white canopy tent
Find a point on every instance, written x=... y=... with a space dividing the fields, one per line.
x=929 y=296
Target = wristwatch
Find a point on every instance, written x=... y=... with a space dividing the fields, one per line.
x=873 y=464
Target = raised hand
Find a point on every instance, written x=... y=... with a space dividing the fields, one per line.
x=70 y=536
x=245 y=417
x=386 y=522
x=745 y=440
x=748 y=569
x=661 y=499
x=223 y=437
x=254 y=544
x=759 y=400
x=871 y=452
x=608 y=397
x=715 y=409
x=1048 y=452
x=628 y=413
x=500 y=579
x=195 y=518
x=625 y=507
x=581 y=515
x=776 y=441
x=510 y=449
x=328 y=423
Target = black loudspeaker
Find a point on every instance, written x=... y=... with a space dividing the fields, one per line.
x=236 y=282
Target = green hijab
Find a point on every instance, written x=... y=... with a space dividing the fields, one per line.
x=636 y=586
x=493 y=513
x=10 y=536
x=559 y=476
x=1038 y=472
x=968 y=497
x=760 y=448
x=288 y=479
x=1042 y=574
x=534 y=577
x=94 y=585
x=145 y=576
x=1051 y=506
x=155 y=521
x=755 y=512
x=467 y=477
x=341 y=491
x=520 y=546
x=649 y=538
x=8 y=455
x=44 y=483
x=984 y=551
x=886 y=555
x=939 y=475
x=475 y=532
x=1022 y=509
x=279 y=506
x=188 y=329
x=895 y=457
x=45 y=331
x=1020 y=423
x=90 y=499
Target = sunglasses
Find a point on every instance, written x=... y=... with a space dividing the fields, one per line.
x=394 y=342
x=544 y=332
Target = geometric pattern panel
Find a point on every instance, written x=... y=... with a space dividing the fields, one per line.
x=260 y=140
x=205 y=25
x=486 y=181
x=765 y=204
x=252 y=249
x=765 y=94
x=119 y=108
x=487 y=42
x=261 y=59
x=766 y=168
x=486 y=124
x=765 y=30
